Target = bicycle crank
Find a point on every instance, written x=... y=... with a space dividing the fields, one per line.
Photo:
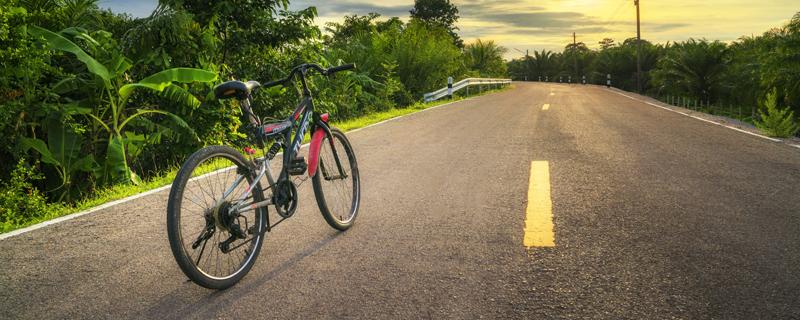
x=285 y=198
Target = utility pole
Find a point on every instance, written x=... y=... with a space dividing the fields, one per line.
x=575 y=53
x=527 y=62
x=638 y=49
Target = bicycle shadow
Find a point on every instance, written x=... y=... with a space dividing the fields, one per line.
x=180 y=303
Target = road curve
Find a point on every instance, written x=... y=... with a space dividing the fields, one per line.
x=656 y=215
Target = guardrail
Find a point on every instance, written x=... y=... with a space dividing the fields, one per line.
x=463 y=84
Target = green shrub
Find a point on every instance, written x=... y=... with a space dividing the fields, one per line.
x=776 y=122
x=20 y=202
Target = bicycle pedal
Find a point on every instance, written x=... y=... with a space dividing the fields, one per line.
x=297 y=166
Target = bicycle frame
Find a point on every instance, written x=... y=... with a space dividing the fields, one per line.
x=301 y=118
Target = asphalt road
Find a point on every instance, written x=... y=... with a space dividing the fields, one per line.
x=656 y=216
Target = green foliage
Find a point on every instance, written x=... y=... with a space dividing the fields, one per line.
x=58 y=42
x=742 y=73
x=20 y=201
x=780 y=61
x=70 y=101
x=113 y=114
x=63 y=151
x=440 y=13
x=776 y=122
x=716 y=73
x=24 y=69
x=486 y=58
x=606 y=43
x=693 y=67
x=160 y=81
x=425 y=57
x=369 y=44
x=151 y=42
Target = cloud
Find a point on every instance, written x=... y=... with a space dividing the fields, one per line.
x=662 y=27
x=532 y=24
x=342 y=8
x=541 y=20
x=478 y=6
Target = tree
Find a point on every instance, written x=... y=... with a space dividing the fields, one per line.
x=243 y=24
x=776 y=122
x=693 y=67
x=352 y=26
x=114 y=112
x=545 y=64
x=486 y=57
x=620 y=62
x=606 y=43
x=439 y=12
x=743 y=72
x=576 y=58
x=780 y=61
x=425 y=57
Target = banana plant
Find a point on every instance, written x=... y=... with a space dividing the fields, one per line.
x=63 y=152
x=116 y=114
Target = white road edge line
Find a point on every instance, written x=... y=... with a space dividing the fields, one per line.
x=167 y=187
x=698 y=118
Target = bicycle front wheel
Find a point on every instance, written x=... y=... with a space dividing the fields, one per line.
x=215 y=244
x=336 y=182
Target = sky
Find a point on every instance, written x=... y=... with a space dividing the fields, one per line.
x=521 y=25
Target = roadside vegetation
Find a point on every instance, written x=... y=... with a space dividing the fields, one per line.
x=731 y=79
x=96 y=106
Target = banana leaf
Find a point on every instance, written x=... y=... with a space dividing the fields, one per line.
x=161 y=80
x=63 y=151
x=115 y=168
x=58 y=42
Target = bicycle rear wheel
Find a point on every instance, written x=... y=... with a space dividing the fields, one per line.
x=338 y=192
x=214 y=245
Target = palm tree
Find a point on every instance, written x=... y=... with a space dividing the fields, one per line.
x=694 y=67
x=486 y=57
x=544 y=64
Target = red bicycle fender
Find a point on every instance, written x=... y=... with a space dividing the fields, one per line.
x=313 y=151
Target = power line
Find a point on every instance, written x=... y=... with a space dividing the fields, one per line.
x=616 y=11
x=638 y=49
x=575 y=53
x=527 y=62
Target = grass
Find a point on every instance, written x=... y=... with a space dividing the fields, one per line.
x=117 y=192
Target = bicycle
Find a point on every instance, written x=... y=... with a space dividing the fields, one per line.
x=217 y=195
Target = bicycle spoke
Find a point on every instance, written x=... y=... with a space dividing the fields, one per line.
x=338 y=187
x=208 y=194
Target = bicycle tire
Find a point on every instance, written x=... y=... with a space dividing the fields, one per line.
x=175 y=208
x=327 y=192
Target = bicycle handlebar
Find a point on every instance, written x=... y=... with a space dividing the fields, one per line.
x=309 y=66
x=343 y=67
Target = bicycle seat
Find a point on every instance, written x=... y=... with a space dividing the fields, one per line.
x=235 y=89
x=272 y=129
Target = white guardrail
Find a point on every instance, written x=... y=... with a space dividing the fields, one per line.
x=463 y=84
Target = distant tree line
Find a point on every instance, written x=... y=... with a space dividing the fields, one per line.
x=741 y=73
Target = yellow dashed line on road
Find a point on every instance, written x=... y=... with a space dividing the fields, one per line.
x=546 y=106
x=539 y=231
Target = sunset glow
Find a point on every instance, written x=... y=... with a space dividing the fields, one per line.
x=536 y=25
x=549 y=24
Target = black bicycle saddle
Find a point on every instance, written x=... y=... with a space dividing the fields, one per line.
x=235 y=89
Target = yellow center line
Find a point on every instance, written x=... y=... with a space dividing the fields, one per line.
x=539 y=231
x=546 y=106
